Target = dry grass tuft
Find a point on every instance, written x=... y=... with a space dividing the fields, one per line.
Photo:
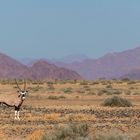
x=36 y=135
x=82 y=117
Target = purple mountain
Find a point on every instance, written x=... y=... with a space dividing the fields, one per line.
x=11 y=69
x=112 y=65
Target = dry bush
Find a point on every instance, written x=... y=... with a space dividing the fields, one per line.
x=50 y=88
x=36 y=88
x=95 y=83
x=84 y=83
x=68 y=90
x=52 y=97
x=109 y=86
x=117 y=101
x=125 y=80
x=136 y=93
x=113 y=135
x=131 y=82
x=91 y=93
x=80 y=91
x=127 y=92
x=72 y=131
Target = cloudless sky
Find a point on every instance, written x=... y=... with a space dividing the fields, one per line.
x=56 y=28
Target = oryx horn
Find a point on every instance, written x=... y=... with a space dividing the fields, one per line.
x=17 y=85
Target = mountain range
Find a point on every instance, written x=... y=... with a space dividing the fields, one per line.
x=111 y=65
x=40 y=70
x=124 y=64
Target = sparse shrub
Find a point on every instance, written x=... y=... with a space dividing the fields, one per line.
x=51 y=88
x=136 y=93
x=125 y=79
x=109 y=86
x=117 y=101
x=128 y=92
x=110 y=91
x=104 y=83
x=116 y=92
x=34 y=82
x=86 y=86
x=68 y=90
x=4 y=82
x=100 y=93
x=84 y=83
x=72 y=81
x=94 y=83
x=91 y=93
x=72 y=131
x=77 y=97
x=87 y=89
x=35 y=89
x=80 y=91
x=61 y=97
x=62 y=82
x=111 y=136
x=51 y=97
x=50 y=83
x=131 y=88
x=131 y=82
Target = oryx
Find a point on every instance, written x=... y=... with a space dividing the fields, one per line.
x=14 y=99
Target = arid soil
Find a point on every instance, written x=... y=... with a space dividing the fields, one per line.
x=59 y=103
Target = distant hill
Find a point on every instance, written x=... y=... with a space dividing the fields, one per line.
x=11 y=68
x=133 y=74
x=44 y=70
x=112 y=65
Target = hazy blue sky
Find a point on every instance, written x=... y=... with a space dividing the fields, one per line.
x=56 y=28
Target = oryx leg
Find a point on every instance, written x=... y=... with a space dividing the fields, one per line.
x=17 y=113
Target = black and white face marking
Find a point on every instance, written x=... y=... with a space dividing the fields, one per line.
x=23 y=94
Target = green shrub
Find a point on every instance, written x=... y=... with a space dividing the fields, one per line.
x=117 y=101
x=51 y=97
x=68 y=90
